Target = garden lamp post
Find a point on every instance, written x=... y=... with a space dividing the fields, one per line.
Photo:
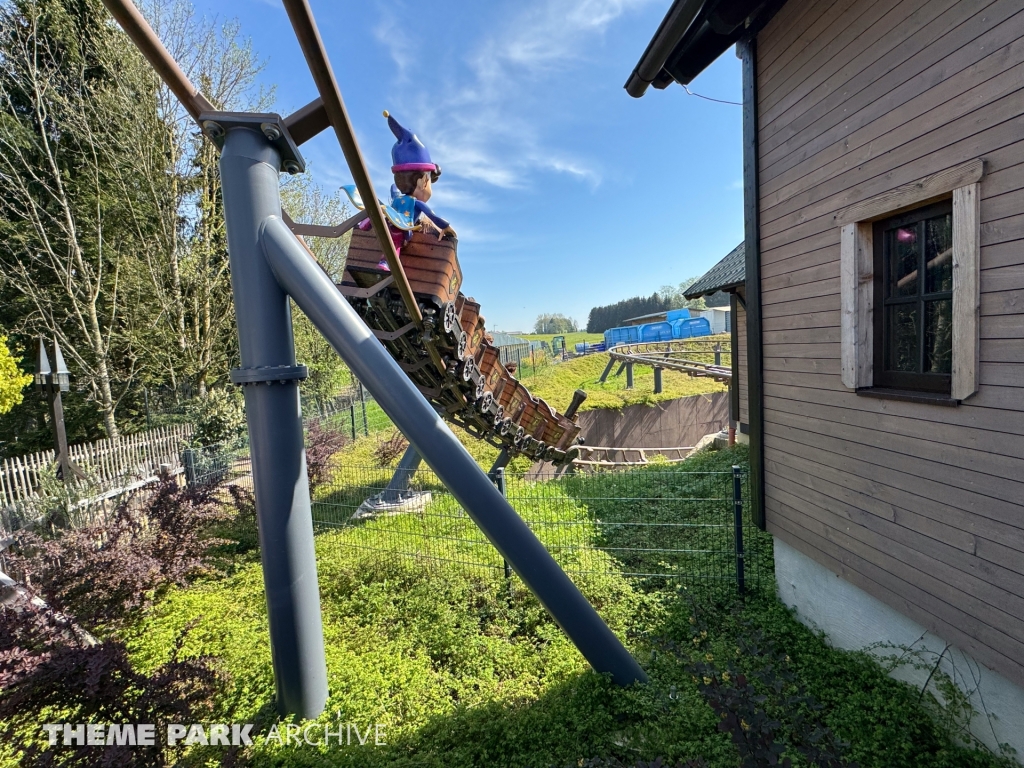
x=51 y=383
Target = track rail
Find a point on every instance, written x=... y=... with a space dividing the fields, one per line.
x=675 y=356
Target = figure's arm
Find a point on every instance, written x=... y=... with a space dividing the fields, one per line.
x=442 y=224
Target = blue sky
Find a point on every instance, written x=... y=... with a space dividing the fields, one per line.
x=566 y=193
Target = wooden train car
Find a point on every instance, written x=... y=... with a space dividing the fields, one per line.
x=474 y=389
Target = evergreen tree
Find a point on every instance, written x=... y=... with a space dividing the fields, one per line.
x=613 y=315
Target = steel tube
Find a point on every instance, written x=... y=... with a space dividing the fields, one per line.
x=402 y=477
x=248 y=167
x=313 y=291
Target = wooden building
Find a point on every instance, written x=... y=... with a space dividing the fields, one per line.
x=729 y=276
x=884 y=208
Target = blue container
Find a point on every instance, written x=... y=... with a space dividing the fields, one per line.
x=680 y=329
x=656 y=332
x=628 y=334
x=677 y=314
x=695 y=326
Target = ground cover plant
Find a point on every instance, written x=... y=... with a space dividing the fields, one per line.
x=462 y=667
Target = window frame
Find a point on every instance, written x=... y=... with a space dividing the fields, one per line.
x=939 y=383
x=857 y=285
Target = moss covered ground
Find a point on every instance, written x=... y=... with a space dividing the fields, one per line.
x=463 y=668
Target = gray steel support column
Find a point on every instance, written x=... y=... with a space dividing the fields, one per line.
x=249 y=167
x=657 y=381
x=406 y=468
x=607 y=370
x=504 y=457
x=324 y=305
x=629 y=375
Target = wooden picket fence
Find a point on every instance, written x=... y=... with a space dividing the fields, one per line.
x=109 y=463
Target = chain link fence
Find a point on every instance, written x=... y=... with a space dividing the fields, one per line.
x=656 y=526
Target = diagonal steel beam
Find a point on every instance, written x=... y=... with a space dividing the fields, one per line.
x=146 y=40
x=323 y=76
x=307 y=122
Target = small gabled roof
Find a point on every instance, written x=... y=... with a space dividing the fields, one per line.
x=730 y=272
x=646 y=317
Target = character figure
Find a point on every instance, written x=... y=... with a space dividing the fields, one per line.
x=414 y=173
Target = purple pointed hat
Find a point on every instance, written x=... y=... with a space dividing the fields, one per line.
x=408 y=154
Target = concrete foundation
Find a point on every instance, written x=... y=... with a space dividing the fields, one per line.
x=854 y=620
x=669 y=424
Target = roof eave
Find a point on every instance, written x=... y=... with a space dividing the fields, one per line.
x=650 y=69
x=679 y=52
x=727 y=287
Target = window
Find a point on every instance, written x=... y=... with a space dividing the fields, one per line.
x=910 y=289
x=913 y=284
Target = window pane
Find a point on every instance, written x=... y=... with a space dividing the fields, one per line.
x=901 y=327
x=938 y=336
x=903 y=260
x=939 y=253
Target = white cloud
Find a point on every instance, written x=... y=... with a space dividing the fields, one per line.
x=485 y=118
x=391 y=34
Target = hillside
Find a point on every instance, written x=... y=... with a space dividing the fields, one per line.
x=556 y=383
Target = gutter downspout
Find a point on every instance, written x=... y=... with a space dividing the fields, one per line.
x=671 y=30
x=746 y=49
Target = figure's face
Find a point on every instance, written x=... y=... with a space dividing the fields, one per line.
x=423 y=189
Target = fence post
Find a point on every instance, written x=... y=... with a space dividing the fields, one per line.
x=188 y=461
x=362 y=403
x=352 y=418
x=718 y=353
x=499 y=475
x=737 y=505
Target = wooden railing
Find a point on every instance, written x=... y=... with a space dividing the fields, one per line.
x=107 y=463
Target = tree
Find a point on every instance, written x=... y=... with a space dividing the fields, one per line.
x=70 y=95
x=187 y=337
x=554 y=323
x=111 y=225
x=613 y=315
x=306 y=202
x=676 y=299
x=12 y=380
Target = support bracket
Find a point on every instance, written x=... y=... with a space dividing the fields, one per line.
x=216 y=125
x=269 y=374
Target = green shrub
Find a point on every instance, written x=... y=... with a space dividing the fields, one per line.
x=218 y=418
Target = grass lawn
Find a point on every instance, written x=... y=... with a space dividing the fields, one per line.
x=556 y=383
x=463 y=668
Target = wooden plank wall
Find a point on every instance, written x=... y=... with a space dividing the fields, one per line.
x=922 y=506
x=741 y=351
